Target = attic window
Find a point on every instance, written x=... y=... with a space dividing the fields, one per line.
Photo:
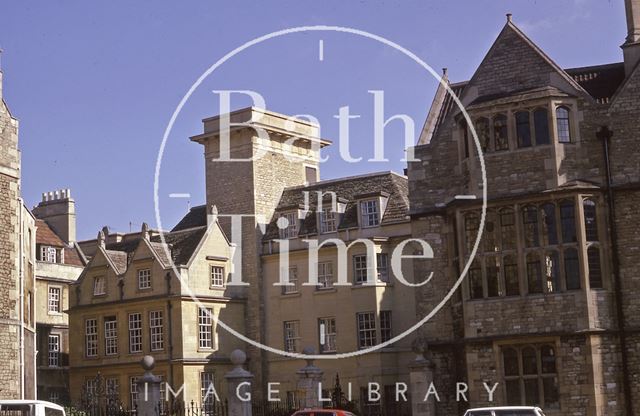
x=50 y=254
x=144 y=279
x=370 y=213
x=328 y=220
x=288 y=224
x=99 y=286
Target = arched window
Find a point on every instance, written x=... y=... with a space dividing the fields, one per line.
x=475 y=281
x=534 y=273
x=500 y=132
x=489 y=234
x=465 y=137
x=552 y=271
x=568 y=220
x=507 y=229
x=493 y=276
x=549 y=224
x=541 y=126
x=530 y=222
x=563 y=125
x=572 y=269
x=484 y=135
x=595 y=273
x=590 y=224
x=511 y=281
x=523 y=129
x=471 y=226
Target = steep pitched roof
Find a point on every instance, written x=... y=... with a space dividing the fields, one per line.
x=46 y=236
x=347 y=190
x=600 y=81
x=196 y=217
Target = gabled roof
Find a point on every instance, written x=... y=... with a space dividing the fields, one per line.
x=347 y=190
x=181 y=245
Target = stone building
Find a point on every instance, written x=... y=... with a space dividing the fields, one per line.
x=548 y=308
x=59 y=263
x=280 y=183
x=136 y=296
x=17 y=263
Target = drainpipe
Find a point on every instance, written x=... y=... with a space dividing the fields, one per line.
x=170 y=330
x=21 y=307
x=605 y=135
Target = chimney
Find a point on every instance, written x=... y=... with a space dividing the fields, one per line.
x=631 y=47
x=58 y=210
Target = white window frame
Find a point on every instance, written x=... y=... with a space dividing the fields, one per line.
x=205 y=328
x=111 y=336
x=366 y=327
x=135 y=332
x=144 y=279
x=91 y=337
x=99 y=286
x=328 y=336
x=112 y=390
x=156 y=330
x=293 y=279
x=217 y=274
x=48 y=254
x=54 y=300
x=370 y=213
x=360 y=272
x=291 y=335
x=325 y=275
x=328 y=221
x=54 y=347
x=292 y=229
x=54 y=396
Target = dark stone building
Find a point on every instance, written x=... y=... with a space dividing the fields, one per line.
x=548 y=306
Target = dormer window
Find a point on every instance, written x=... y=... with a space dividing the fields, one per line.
x=370 y=213
x=99 y=287
x=291 y=229
x=328 y=220
x=563 y=124
x=144 y=279
x=51 y=254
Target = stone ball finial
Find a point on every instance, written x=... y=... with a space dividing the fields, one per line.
x=147 y=363
x=238 y=357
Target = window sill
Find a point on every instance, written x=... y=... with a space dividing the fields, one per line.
x=51 y=313
x=217 y=287
x=324 y=290
x=377 y=284
x=290 y=295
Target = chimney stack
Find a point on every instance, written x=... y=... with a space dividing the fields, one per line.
x=58 y=210
x=631 y=47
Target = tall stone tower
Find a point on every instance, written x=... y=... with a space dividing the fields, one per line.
x=631 y=46
x=278 y=152
x=17 y=276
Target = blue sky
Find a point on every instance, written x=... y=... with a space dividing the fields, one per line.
x=95 y=83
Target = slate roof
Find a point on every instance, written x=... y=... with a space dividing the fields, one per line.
x=600 y=81
x=46 y=236
x=196 y=217
x=182 y=244
x=347 y=190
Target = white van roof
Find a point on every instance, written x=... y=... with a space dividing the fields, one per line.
x=41 y=402
x=506 y=408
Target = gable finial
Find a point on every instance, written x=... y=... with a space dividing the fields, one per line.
x=212 y=216
x=509 y=18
